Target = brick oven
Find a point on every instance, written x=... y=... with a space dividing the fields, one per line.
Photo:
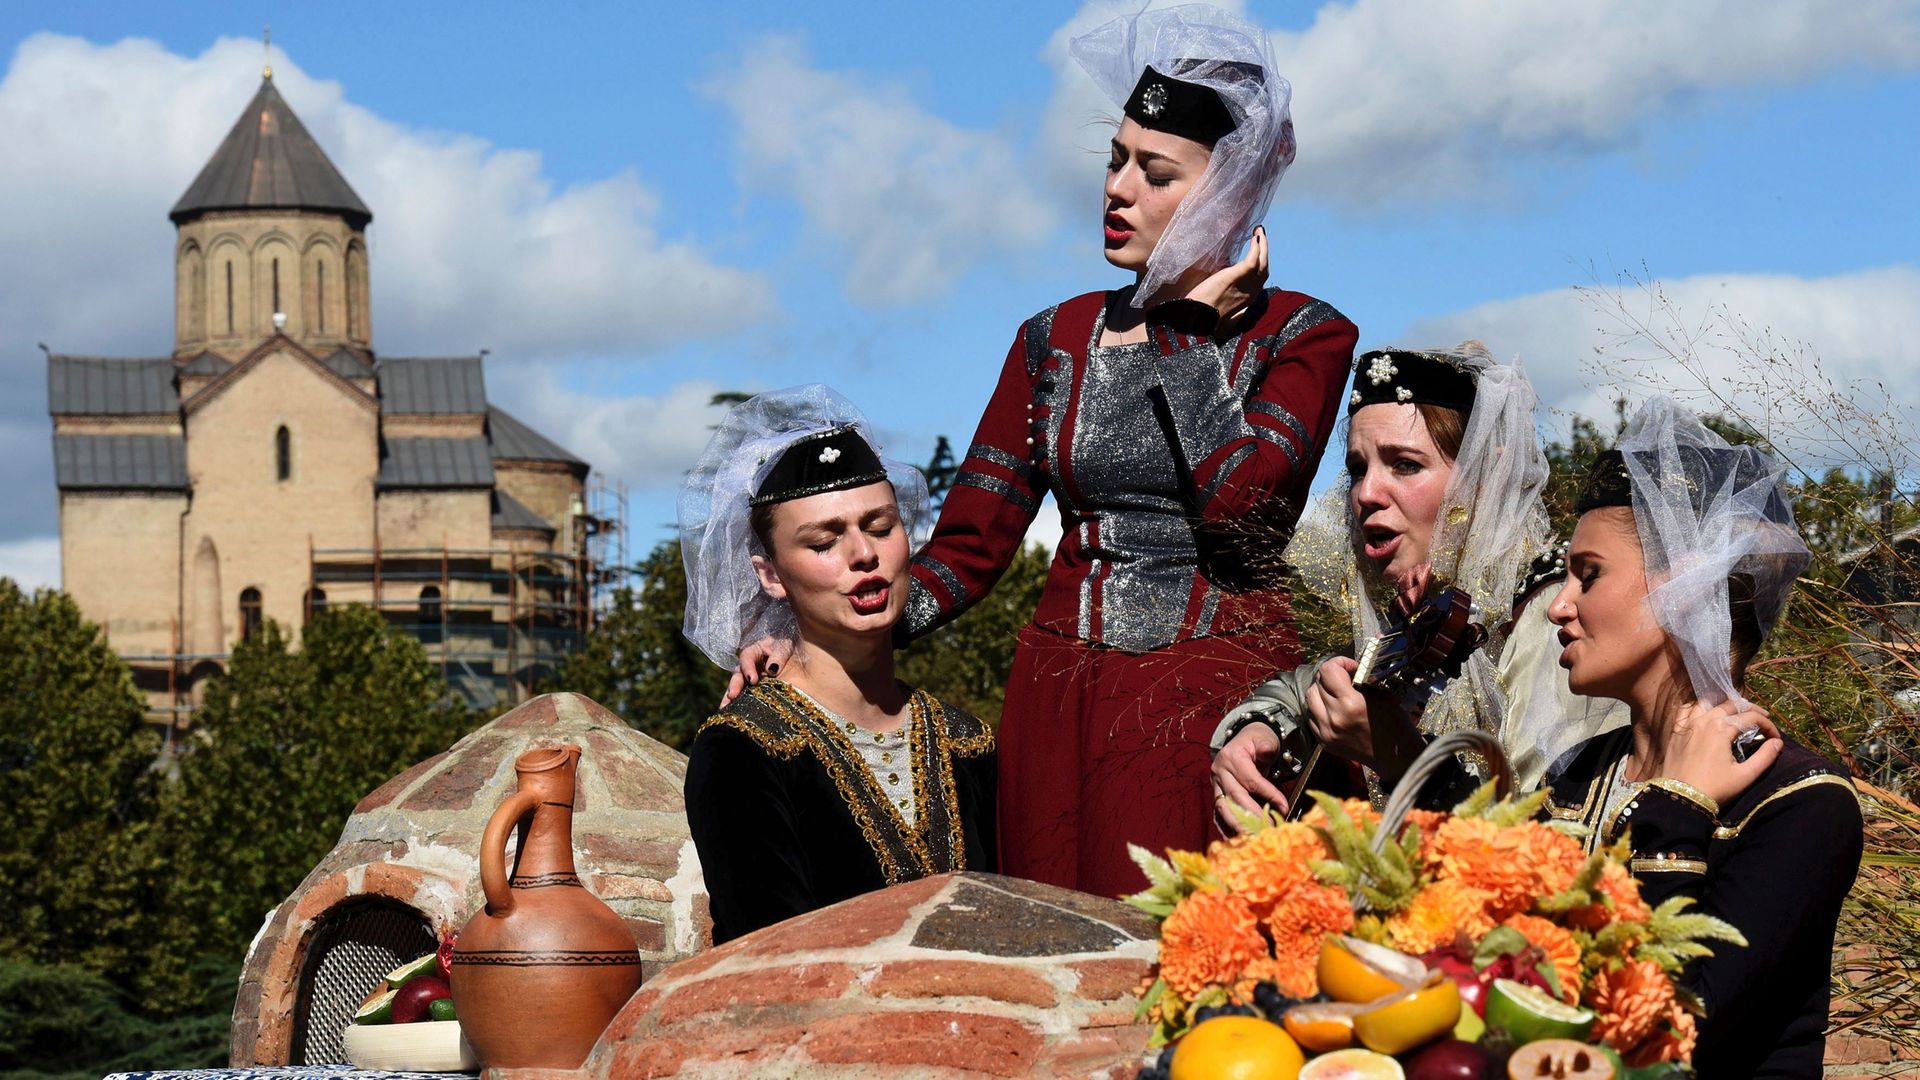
x=407 y=867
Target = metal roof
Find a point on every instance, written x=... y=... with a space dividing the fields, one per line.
x=269 y=161
x=432 y=386
x=346 y=365
x=110 y=386
x=514 y=440
x=152 y=462
x=435 y=463
x=511 y=513
x=207 y=363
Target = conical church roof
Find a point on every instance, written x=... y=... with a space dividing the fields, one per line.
x=268 y=161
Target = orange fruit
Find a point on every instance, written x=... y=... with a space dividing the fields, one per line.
x=1405 y=1020
x=1353 y=1065
x=1320 y=1027
x=1236 y=1048
x=1360 y=971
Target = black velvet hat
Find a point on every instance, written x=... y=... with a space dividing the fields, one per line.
x=832 y=460
x=1165 y=103
x=1701 y=470
x=1404 y=377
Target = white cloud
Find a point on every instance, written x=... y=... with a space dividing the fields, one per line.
x=472 y=246
x=33 y=563
x=646 y=440
x=1822 y=365
x=1439 y=99
x=909 y=200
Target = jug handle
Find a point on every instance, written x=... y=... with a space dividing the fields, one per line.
x=493 y=850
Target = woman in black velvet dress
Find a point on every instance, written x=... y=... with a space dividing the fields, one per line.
x=1683 y=557
x=831 y=778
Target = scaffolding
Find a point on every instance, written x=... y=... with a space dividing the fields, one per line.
x=603 y=525
x=497 y=621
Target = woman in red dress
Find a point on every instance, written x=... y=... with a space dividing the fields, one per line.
x=1156 y=415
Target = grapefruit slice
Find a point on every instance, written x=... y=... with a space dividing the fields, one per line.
x=1353 y=1065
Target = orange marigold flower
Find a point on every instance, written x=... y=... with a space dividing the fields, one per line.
x=1264 y=867
x=1552 y=857
x=1299 y=924
x=1629 y=1001
x=1437 y=914
x=1481 y=855
x=1672 y=1041
x=1207 y=940
x=1619 y=886
x=1562 y=951
x=1359 y=810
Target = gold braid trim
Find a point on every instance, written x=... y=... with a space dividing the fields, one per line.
x=1730 y=832
x=1686 y=793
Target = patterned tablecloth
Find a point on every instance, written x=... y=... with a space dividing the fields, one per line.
x=281 y=1073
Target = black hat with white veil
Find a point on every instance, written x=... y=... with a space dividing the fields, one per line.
x=1706 y=512
x=775 y=447
x=1202 y=73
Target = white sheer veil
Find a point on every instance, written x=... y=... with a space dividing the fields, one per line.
x=1200 y=44
x=725 y=604
x=1706 y=510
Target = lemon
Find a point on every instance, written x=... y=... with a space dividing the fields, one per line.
x=1353 y=1065
x=1530 y=1014
x=1236 y=1048
x=1405 y=1020
x=1360 y=971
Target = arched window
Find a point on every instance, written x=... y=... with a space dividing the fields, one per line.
x=316 y=602
x=320 y=279
x=277 y=309
x=282 y=454
x=229 y=297
x=430 y=613
x=249 y=612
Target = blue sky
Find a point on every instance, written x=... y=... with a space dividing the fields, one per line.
x=632 y=207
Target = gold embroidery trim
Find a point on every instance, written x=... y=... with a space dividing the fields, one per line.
x=1686 y=792
x=1730 y=832
x=926 y=720
x=1661 y=863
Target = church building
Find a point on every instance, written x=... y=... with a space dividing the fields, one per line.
x=274 y=463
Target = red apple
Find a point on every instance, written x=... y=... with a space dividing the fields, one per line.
x=414 y=999
x=1450 y=1059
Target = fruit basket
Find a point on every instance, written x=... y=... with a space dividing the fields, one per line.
x=428 y=1046
x=409 y=1022
x=1478 y=943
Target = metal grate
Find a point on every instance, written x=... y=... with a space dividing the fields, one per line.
x=353 y=949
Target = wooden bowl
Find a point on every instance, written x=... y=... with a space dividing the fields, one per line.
x=426 y=1046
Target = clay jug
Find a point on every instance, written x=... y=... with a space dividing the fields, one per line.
x=540 y=970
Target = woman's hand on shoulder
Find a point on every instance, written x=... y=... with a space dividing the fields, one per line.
x=757 y=659
x=1232 y=290
x=1240 y=776
x=1699 y=750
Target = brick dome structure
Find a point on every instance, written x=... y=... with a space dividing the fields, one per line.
x=407 y=867
x=955 y=975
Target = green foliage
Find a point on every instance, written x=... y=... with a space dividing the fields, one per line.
x=968 y=661
x=287 y=742
x=74 y=761
x=59 y=1022
x=637 y=663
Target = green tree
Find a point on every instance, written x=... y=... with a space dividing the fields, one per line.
x=637 y=663
x=287 y=742
x=75 y=761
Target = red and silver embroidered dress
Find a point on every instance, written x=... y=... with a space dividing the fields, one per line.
x=1139 y=645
